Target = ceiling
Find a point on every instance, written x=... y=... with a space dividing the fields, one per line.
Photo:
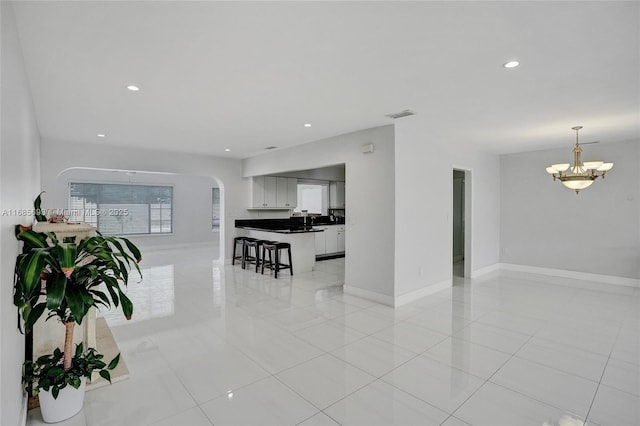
x=247 y=75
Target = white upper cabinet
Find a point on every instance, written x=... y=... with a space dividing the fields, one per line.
x=286 y=192
x=263 y=191
x=274 y=192
x=336 y=195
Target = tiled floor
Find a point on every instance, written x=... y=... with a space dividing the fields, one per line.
x=221 y=345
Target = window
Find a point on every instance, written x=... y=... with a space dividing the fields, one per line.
x=116 y=209
x=312 y=196
x=215 y=209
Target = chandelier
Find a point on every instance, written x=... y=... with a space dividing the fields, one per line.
x=580 y=175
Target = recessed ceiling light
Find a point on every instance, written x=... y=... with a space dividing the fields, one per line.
x=511 y=64
x=133 y=88
x=307 y=125
x=227 y=149
x=101 y=135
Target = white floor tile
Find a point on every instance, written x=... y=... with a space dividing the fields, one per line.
x=622 y=376
x=438 y=384
x=513 y=322
x=319 y=419
x=209 y=329
x=293 y=319
x=281 y=352
x=374 y=356
x=410 y=336
x=467 y=356
x=137 y=401
x=454 y=421
x=438 y=321
x=34 y=418
x=191 y=417
x=494 y=405
x=496 y=338
x=382 y=404
x=210 y=375
x=267 y=402
x=612 y=407
x=569 y=359
x=329 y=335
x=366 y=322
x=325 y=380
x=550 y=386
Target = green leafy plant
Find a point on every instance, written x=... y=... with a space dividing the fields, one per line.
x=67 y=279
x=47 y=372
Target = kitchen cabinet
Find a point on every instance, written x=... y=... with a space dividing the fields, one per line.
x=263 y=190
x=340 y=235
x=286 y=192
x=321 y=240
x=337 y=195
x=270 y=192
x=331 y=240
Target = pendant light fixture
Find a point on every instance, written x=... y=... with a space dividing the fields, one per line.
x=580 y=175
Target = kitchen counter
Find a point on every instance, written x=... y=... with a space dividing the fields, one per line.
x=281 y=231
x=302 y=239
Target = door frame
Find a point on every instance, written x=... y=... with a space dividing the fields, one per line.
x=468 y=218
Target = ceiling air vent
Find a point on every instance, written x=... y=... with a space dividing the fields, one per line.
x=271 y=147
x=405 y=113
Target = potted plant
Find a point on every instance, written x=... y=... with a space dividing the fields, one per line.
x=66 y=279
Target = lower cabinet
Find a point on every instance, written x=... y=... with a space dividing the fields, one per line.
x=331 y=240
x=340 y=237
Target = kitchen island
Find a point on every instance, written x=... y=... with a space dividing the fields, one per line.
x=301 y=238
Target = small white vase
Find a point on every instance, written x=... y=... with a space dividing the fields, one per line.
x=68 y=404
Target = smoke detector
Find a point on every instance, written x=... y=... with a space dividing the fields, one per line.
x=405 y=113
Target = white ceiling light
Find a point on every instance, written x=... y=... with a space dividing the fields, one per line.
x=227 y=149
x=307 y=125
x=580 y=175
x=511 y=64
x=133 y=88
x=101 y=135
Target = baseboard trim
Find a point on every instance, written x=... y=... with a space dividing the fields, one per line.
x=399 y=300
x=369 y=295
x=422 y=292
x=486 y=270
x=24 y=409
x=585 y=276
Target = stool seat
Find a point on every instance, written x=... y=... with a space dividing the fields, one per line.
x=236 y=241
x=251 y=252
x=272 y=249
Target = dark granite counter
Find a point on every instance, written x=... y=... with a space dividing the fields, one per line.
x=280 y=226
x=280 y=231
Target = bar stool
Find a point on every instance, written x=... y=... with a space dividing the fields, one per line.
x=273 y=249
x=236 y=241
x=254 y=257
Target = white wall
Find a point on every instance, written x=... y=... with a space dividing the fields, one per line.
x=57 y=156
x=192 y=208
x=547 y=225
x=423 y=210
x=369 y=194
x=19 y=185
x=332 y=173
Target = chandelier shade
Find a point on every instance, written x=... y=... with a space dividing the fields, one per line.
x=579 y=175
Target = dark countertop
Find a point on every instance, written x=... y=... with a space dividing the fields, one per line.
x=280 y=231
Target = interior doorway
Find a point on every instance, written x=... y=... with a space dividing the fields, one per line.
x=460 y=213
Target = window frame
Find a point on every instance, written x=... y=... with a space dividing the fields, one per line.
x=149 y=208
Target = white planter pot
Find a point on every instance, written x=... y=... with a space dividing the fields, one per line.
x=68 y=404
